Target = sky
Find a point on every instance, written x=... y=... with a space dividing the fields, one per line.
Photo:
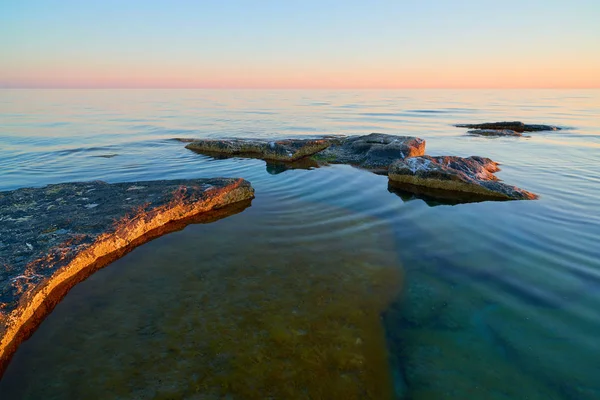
x=305 y=44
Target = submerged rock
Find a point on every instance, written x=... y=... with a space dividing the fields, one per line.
x=494 y=132
x=375 y=151
x=55 y=236
x=516 y=126
x=279 y=150
x=222 y=315
x=472 y=175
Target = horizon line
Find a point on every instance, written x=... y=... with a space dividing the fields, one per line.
x=300 y=88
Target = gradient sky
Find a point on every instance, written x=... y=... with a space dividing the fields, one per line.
x=300 y=44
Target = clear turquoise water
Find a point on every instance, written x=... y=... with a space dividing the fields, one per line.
x=500 y=299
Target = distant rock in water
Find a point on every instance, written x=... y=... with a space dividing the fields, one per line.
x=55 y=236
x=472 y=176
x=376 y=151
x=494 y=132
x=516 y=126
x=276 y=150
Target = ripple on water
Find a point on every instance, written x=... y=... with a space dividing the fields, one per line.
x=269 y=317
x=500 y=299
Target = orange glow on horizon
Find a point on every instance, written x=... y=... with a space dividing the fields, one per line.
x=455 y=76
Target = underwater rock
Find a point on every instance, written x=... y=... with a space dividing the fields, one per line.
x=516 y=126
x=375 y=151
x=460 y=364
x=548 y=345
x=55 y=236
x=473 y=176
x=214 y=313
x=276 y=150
x=494 y=132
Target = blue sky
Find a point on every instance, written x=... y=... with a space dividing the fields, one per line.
x=299 y=43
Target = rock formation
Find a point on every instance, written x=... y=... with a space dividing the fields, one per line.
x=55 y=236
x=453 y=179
x=279 y=150
x=516 y=126
x=472 y=175
x=374 y=152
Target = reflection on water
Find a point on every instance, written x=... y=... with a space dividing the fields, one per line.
x=499 y=299
x=435 y=197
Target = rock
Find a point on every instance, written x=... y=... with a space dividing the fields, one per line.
x=376 y=151
x=279 y=150
x=43 y=257
x=222 y=316
x=552 y=346
x=473 y=176
x=461 y=364
x=494 y=132
x=516 y=126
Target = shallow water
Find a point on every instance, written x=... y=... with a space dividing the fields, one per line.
x=499 y=299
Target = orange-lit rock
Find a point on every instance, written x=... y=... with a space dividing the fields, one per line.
x=56 y=236
x=472 y=177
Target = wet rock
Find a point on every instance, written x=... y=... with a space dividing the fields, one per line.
x=276 y=150
x=473 y=176
x=80 y=227
x=494 y=132
x=516 y=126
x=375 y=151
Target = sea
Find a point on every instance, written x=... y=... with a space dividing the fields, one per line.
x=498 y=300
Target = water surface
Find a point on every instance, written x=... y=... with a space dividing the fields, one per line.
x=499 y=299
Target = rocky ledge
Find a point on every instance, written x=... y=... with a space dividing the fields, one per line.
x=401 y=157
x=279 y=150
x=374 y=152
x=516 y=126
x=55 y=236
x=473 y=176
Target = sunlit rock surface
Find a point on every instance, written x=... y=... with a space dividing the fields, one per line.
x=49 y=236
x=472 y=175
x=277 y=150
x=375 y=151
x=516 y=126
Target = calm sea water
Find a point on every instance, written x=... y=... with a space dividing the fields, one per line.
x=500 y=300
